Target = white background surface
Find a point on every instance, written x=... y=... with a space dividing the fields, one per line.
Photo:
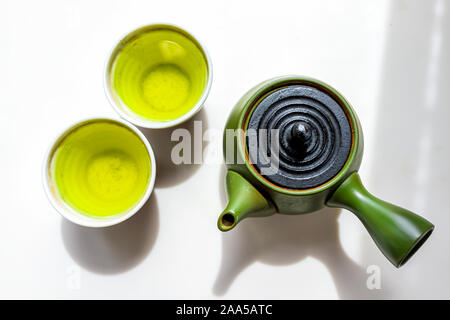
x=389 y=58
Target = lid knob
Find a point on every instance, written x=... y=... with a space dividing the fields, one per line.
x=301 y=133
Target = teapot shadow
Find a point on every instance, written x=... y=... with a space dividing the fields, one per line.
x=282 y=240
x=412 y=132
x=168 y=173
x=114 y=249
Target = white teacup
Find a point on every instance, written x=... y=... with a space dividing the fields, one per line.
x=91 y=149
x=158 y=76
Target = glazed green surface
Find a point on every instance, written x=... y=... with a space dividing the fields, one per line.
x=287 y=201
x=101 y=169
x=245 y=201
x=397 y=232
x=160 y=75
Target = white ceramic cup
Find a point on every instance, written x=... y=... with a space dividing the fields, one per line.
x=71 y=214
x=121 y=108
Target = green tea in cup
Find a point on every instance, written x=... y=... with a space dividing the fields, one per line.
x=158 y=76
x=99 y=172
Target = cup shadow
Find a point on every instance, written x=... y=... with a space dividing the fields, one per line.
x=282 y=240
x=114 y=249
x=168 y=173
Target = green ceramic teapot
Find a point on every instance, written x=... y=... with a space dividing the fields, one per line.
x=293 y=145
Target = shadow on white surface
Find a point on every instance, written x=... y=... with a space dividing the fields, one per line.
x=412 y=165
x=167 y=172
x=282 y=240
x=410 y=168
x=114 y=249
x=119 y=248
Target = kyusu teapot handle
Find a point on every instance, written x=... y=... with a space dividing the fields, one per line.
x=397 y=232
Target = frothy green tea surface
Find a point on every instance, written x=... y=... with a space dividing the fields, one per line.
x=101 y=169
x=160 y=74
x=167 y=88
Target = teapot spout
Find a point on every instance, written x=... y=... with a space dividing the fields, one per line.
x=244 y=201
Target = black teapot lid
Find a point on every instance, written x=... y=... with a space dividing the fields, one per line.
x=314 y=137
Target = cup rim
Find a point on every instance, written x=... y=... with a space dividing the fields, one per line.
x=149 y=123
x=71 y=214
